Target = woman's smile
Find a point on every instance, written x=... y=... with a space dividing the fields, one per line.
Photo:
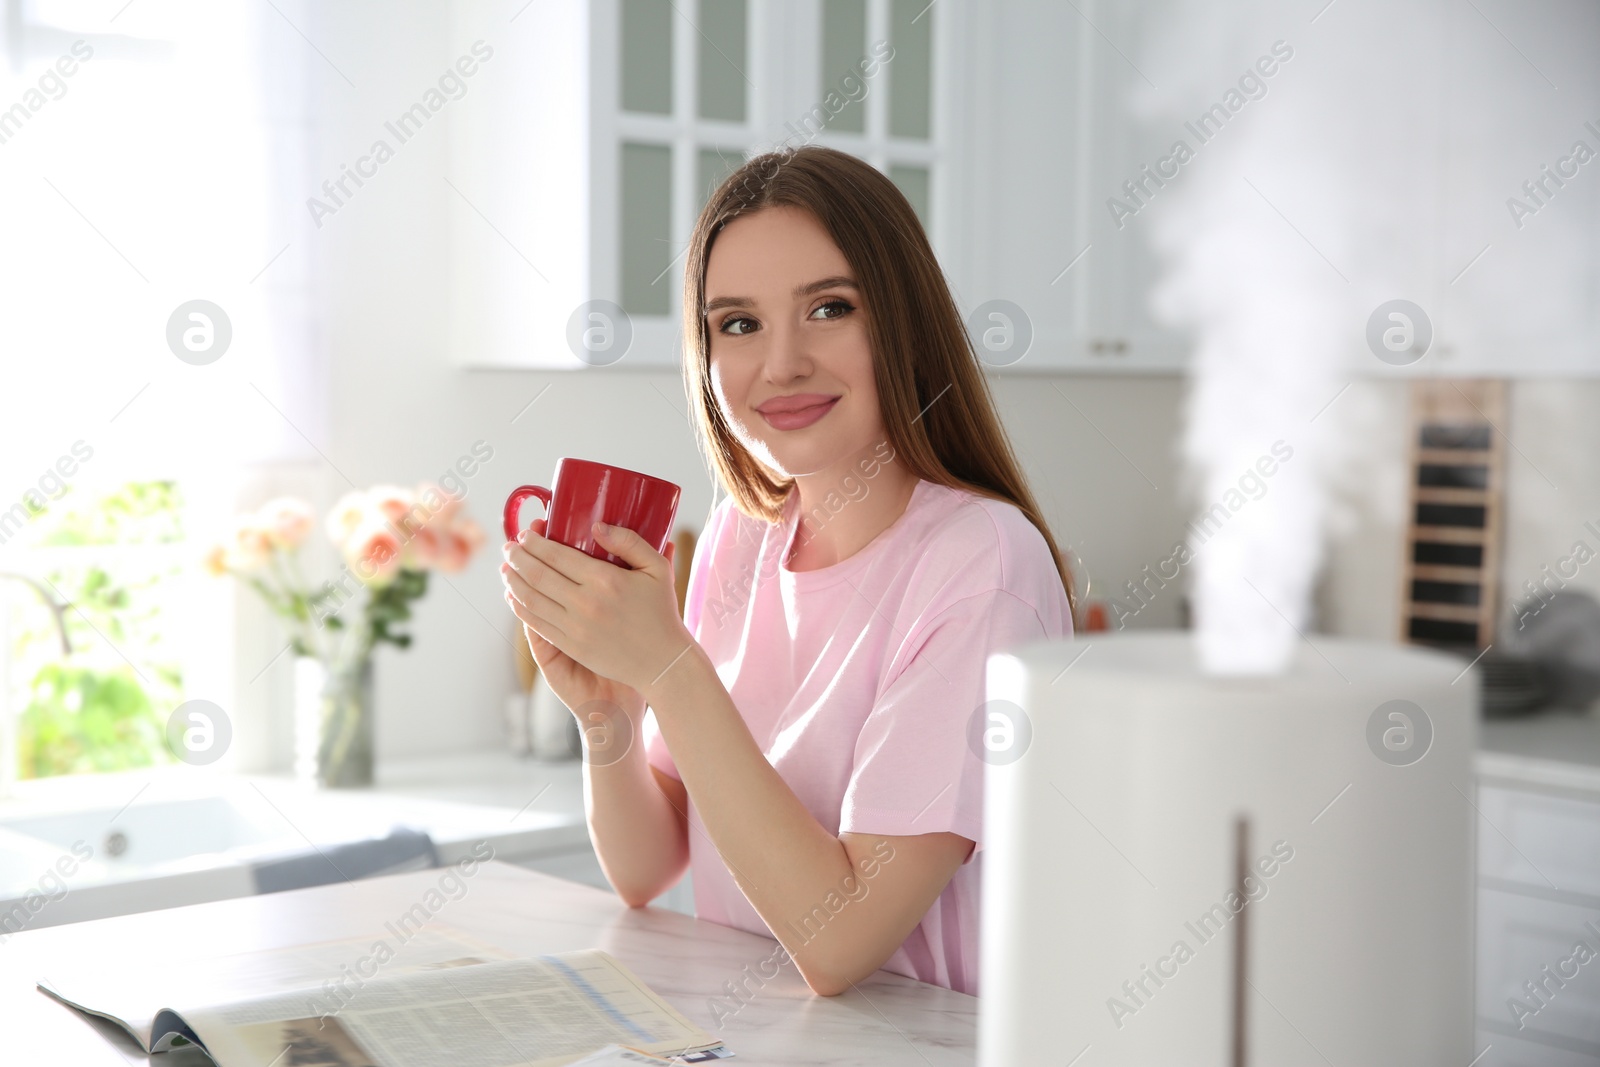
x=791 y=417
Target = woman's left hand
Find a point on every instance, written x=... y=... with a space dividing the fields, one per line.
x=621 y=624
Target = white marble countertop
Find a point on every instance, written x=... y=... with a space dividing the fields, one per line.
x=492 y=777
x=885 y=1019
x=1556 y=749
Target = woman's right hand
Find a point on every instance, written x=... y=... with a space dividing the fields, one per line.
x=575 y=684
x=634 y=812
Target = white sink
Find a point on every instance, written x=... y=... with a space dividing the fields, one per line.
x=149 y=836
x=182 y=835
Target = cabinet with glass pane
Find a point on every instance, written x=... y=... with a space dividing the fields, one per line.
x=567 y=250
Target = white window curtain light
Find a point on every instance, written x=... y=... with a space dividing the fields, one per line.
x=141 y=150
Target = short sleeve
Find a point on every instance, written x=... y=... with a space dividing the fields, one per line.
x=700 y=567
x=655 y=746
x=915 y=771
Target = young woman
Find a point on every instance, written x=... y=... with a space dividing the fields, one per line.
x=816 y=749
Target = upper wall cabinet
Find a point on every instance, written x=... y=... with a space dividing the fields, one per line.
x=1056 y=276
x=1122 y=180
x=1404 y=153
x=579 y=173
x=1518 y=290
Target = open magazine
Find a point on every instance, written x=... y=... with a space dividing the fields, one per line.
x=438 y=999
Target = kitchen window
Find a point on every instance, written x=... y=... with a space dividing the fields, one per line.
x=116 y=566
x=132 y=195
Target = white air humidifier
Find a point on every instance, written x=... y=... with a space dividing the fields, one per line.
x=1189 y=870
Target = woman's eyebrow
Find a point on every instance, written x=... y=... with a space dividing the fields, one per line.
x=837 y=281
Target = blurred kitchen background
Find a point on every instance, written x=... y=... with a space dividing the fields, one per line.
x=409 y=213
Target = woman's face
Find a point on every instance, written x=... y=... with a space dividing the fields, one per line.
x=787 y=327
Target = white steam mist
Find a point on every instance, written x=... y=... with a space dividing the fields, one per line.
x=1320 y=198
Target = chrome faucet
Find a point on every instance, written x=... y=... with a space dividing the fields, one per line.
x=8 y=740
x=57 y=608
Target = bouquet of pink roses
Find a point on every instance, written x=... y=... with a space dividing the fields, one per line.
x=388 y=537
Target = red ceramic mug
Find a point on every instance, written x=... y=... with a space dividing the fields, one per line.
x=585 y=492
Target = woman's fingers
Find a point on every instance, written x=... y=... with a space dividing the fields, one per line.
x=544 y=653
x=634 y=550
x=541 y=625
x=543 y=606
x=561 y=561
x=537 y=573
x=538 y=644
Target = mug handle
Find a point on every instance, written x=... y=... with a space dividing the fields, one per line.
x=513 y=512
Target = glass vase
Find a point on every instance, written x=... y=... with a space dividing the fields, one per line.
x=335 y=716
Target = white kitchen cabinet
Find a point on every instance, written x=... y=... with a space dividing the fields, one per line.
x=1059 y=140
x=1023 y=156
x=578 y=171
x=1006 y=124
x=1053 y=141
x=1544 y=839
x=1519 y=94
x=1427 y=122
x=1538 y=896
x=583 y=165
x=1121 y=268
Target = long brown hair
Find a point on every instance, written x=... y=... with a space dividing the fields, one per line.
x=937 y=409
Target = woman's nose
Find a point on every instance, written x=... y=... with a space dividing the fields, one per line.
x=787 y=357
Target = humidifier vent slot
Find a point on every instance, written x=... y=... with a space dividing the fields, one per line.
x=1241 y=937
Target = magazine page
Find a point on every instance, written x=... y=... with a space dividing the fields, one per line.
x=134 y=992
x=542 y=1011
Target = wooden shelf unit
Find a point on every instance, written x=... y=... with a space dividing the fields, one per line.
x=1456 y=497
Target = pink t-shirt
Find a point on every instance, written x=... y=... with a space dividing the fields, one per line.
x=859 y=682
